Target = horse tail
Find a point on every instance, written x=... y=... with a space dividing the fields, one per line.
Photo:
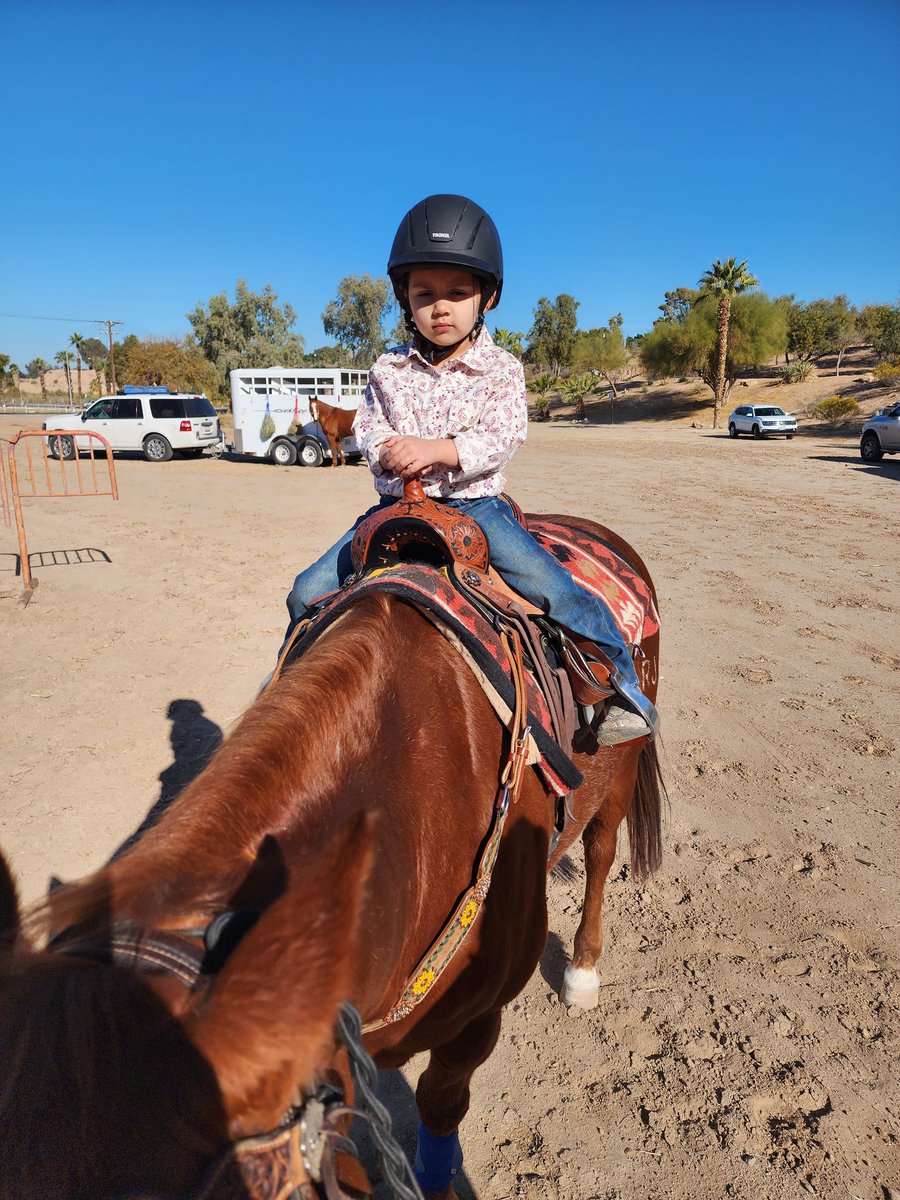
x=645 y=814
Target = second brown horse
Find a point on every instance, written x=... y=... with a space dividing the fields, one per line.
x=335 y=423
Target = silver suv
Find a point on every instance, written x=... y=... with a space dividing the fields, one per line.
x=762 y=420
x=881 y=434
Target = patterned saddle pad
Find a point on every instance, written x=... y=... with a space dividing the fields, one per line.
x=595 y=563
x=601 y=568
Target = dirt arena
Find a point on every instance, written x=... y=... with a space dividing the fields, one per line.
x=748 y=1040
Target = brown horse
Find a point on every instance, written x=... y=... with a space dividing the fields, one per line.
x=336 y=423
x=345 y=813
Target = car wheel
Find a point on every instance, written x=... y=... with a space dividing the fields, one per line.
x=157 y=448
x=757 y=432
x=311 y=454
x=870 y=448
x=62 y=447
x=284 y=453
x=788 y=436
x=732 y=430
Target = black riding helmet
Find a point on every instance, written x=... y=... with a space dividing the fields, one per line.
x=447 y=231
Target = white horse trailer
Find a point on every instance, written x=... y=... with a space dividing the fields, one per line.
x=270 y=406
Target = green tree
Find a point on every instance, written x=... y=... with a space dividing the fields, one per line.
x=76 y=341
x=61 y=358
x=823 y=327
x=879 y=327
x=678 y=304
x=843 y=330
x=5 y=375
x=577 y=387
x=177 y=364
x=602 y=351
x=551 y=339
x=507 y=340
x=327 y=356
x=355 y=318
x=724 y=281
x=38 y=368
x=254 y=331
x=757 y=332
x=541 y=386
x=400 y=334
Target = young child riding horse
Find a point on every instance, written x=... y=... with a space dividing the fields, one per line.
x=449 y=408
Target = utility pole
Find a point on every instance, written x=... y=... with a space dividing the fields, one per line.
x=112 y=359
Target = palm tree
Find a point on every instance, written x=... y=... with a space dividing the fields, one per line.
x=76 y=341
x=38 y=367
x=62 y=357
x=724 y=280
x=542 y=386
x=100 y=366
x=508 y=340
x=577 y=387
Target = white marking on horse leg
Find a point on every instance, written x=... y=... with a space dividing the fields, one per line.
x=581 y=987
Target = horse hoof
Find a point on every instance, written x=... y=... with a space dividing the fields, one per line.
x=581 y=988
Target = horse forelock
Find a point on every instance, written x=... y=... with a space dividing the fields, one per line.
x=93 y=1059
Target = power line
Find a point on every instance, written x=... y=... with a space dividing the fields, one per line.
x=70 y=320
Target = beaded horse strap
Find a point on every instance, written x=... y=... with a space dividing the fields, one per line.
x=456 y=929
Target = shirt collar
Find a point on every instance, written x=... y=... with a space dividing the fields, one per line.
x=476 y=359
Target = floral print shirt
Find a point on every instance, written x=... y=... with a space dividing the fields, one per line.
x=477 y=399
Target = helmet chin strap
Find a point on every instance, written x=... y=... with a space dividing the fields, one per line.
x=434 y=353
x=431 y=351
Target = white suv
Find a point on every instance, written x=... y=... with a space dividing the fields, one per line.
x=153 y=421
x=762 y=420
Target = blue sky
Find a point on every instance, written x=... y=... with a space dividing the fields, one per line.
x=156 y=152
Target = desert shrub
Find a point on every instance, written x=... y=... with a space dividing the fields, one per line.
x=795 y=372
x=682 y=378
x=542 y=408
x=834 y=410
x=887 y=374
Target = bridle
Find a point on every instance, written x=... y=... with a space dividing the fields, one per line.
x=297 y=1159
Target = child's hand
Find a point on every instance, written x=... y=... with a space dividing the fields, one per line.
x=408 y=456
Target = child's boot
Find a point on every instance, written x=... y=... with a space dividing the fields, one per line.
x=630 y=714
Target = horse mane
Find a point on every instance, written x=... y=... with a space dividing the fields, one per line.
x=83 y=1034
x=228 y=820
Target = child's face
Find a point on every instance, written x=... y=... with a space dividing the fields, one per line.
x=444 y=304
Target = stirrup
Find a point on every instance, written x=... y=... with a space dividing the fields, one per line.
x=636 y=700
x=622 y=725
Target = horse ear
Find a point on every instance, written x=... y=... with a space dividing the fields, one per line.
x=270 y=1017
x=9 y=906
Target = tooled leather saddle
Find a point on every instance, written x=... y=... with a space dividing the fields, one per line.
x=436 y=558
x=419 y=527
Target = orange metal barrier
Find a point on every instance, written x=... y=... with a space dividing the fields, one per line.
x=58 y=471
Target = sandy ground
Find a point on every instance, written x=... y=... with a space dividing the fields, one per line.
x=747 y=1039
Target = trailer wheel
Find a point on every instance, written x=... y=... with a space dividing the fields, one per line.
x=283 y=453
x=311 y=454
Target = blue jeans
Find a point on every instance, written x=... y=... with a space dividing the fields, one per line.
x=525 y=565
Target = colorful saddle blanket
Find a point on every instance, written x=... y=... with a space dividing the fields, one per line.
x=430 y=590
x=595 y=563
x=601 y=568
